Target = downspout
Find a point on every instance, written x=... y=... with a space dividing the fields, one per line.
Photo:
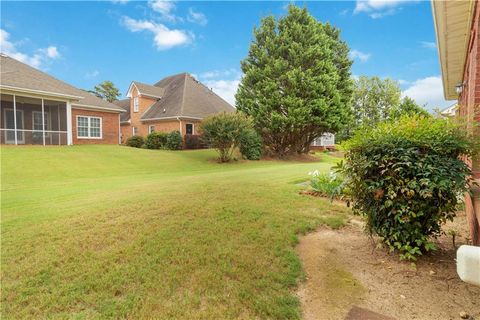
x=180 y=122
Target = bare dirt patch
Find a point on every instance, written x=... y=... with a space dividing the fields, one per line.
x=344 y=268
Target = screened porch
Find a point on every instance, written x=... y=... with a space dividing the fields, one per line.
x=26 y=120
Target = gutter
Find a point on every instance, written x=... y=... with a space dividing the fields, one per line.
x=40 y=92
x=170 y=118
x=85 y=106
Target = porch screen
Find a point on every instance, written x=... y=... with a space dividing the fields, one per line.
x=27 y=120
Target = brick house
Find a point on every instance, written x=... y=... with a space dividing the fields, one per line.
x=36 y=108
x=177 y=102
x=458 y=39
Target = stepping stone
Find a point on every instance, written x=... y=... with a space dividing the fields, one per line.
x=357 y=313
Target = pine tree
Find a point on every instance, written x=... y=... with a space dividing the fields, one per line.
x=107 y=91
x=297 y=82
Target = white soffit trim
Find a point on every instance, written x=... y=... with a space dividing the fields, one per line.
x=453 y=22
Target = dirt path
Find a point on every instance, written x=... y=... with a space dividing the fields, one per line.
x=344 y=269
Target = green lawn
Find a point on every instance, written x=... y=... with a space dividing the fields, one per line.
x=110 y=231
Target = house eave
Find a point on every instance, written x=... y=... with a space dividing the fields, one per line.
x=171 y=118
x=452 y=21
x=90 y=107
x=12 y=89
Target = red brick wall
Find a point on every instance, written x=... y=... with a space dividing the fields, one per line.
x=110 y=127
x=144 y=104
x=469 y=108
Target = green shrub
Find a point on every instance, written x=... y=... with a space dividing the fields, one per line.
x=174 y=141
x=156 y=140
x=329 y=185
x=405 y=177
x=224 y=132
x=251 y=145
x=193 y=141
x=135 y=141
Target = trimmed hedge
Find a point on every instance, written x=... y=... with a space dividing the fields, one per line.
x=193 y=141
x=406 y=177
x=174 y=141
x=156 y=140
x=135 y=141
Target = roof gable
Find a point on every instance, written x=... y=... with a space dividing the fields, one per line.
x=186 y=97
x=145 y=90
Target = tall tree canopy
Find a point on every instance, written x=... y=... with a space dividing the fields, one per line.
x=409 y=107
x=297 y=82
x=374 y=99
x=107 y=91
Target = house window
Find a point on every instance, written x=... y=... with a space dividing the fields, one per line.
x=37 y=124
x=151 y=128
x=37 y=120
x=134 y=131
x=136 y=103
x=189 y=127
x=89 y=127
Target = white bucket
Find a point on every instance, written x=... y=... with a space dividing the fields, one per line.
x=468 y=264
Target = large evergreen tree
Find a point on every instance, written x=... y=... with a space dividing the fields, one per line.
x=296 y=82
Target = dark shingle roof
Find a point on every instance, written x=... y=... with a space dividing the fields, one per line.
x=17 y=75
x=186 y=97
x=125 y=105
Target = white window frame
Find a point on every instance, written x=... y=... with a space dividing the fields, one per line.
x=136 y=104
x=133 y=131
x=19 y=141
x=46 y=117
x=89 y=127
x=193 y=128
x=151 y=128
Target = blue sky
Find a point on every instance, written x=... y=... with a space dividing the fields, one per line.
x=84 y=43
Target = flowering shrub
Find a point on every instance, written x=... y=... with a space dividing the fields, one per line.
x=329 y=185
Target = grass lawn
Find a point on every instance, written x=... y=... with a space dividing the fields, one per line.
x=110 y=231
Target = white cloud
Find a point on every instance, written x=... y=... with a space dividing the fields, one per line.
x=224 y=88
x=164 y=38
x=165 y=8
x=36 y=59
x=92 y=74
x=428 y=44
x=379 y=8
x=358 y=55
x=51 y=52
x=220 y=73
x=196 y=17
x=427 y=91
x=222 y=82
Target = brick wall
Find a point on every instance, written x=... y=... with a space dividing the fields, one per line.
x=110 y=127
x=144 y=104
x=469 y=108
